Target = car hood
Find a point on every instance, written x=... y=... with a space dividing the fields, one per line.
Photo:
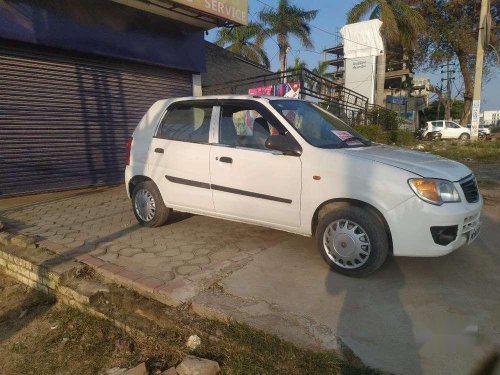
x=420 y=163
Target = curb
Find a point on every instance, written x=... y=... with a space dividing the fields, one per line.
x=177 y=292
x=13 y=263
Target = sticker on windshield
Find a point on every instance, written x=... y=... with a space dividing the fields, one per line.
x=342 y=134
x=347 y=137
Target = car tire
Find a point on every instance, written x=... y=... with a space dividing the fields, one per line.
x=464 y=136
x=148 y=206
x=342 y=247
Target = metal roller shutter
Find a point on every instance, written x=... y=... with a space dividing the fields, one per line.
x=65 y=119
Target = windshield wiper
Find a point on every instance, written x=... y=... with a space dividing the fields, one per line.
x=331 y=145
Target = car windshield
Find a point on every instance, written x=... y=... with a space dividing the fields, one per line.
x=319 y=127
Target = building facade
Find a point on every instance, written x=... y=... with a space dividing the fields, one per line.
x=363 y=72
x=76 y=78
x=491 y=118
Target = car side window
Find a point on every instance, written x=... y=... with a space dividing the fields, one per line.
x=452 y=125
x=187 y=123
x=243 y=126
x=437 y=124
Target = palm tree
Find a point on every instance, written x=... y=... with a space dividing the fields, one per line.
x=322 y=70
x=243 y=41
x=401 y=27
x=297 y=67
x=284 y=21
x=297 y=64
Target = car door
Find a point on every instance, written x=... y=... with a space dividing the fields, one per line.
x=454 y=130
x=437 y=126
x=250 y=181
x=179 y=155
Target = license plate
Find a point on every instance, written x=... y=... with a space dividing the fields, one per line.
x=474 y=233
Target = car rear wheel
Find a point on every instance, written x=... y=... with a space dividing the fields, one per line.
x=148 y=206
x=352 y=240
x=464 y=136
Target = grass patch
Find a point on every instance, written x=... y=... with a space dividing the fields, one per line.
x=482 y=151
x=377 y=134
x=55 y=339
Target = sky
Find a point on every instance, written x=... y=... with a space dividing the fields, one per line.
x=331 y=17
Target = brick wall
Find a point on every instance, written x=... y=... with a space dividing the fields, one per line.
x=224 y=66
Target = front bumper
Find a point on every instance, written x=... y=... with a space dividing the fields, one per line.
x=410 y=224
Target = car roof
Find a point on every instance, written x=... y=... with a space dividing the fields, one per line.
x=239 y=97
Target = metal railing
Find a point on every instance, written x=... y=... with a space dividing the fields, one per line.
x=347 y=104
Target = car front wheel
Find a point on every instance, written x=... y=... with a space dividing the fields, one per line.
x=352 y=240
x=148 y=206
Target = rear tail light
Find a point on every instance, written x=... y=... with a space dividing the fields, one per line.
x=129 y=146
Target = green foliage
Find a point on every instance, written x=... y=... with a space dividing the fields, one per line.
x=245 y=42
x=402 y=24
x=389 y=120
x=285 y=21
x=451 y=34
x=456 y=110
x=378 y=134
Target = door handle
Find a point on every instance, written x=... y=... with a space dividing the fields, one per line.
x=225 y=159
x=159 y=150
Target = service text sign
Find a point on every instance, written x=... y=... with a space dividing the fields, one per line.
x=231 y=10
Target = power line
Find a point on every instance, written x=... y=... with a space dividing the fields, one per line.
x=337 y=34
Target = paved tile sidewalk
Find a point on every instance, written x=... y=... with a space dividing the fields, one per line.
x=102 y=224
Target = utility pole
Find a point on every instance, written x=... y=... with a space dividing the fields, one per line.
x=440 y=95
x=482 y=43
x=449 y=79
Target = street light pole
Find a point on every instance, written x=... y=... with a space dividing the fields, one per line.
x=482 y=41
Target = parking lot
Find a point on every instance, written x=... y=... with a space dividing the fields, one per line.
x=414 y=316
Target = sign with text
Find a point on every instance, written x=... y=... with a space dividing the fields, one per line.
x=360 y=76
x=231 y=10
x=401 y=100
x=476 y=118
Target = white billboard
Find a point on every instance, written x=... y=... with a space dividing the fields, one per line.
x=360 y=76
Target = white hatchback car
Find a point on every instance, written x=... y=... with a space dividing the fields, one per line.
x=290 y=165
x=448 y=130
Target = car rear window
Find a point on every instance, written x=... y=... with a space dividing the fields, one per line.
x=187 y=123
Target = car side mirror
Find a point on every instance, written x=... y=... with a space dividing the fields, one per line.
x=286 y=145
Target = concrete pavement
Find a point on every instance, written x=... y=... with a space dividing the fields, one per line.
x=437 y=315
x=416 y=315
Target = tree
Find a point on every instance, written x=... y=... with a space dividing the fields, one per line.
x=244 y=41
x=402 y=25
x=431 y=112
x=322 y=70
x=284 y=21
x=451 y=34
x=298 y=64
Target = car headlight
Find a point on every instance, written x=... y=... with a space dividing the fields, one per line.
x=434 y=191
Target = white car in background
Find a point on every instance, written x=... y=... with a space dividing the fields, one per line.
x=482 y=129
x=448 y=130
x=290 y=165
